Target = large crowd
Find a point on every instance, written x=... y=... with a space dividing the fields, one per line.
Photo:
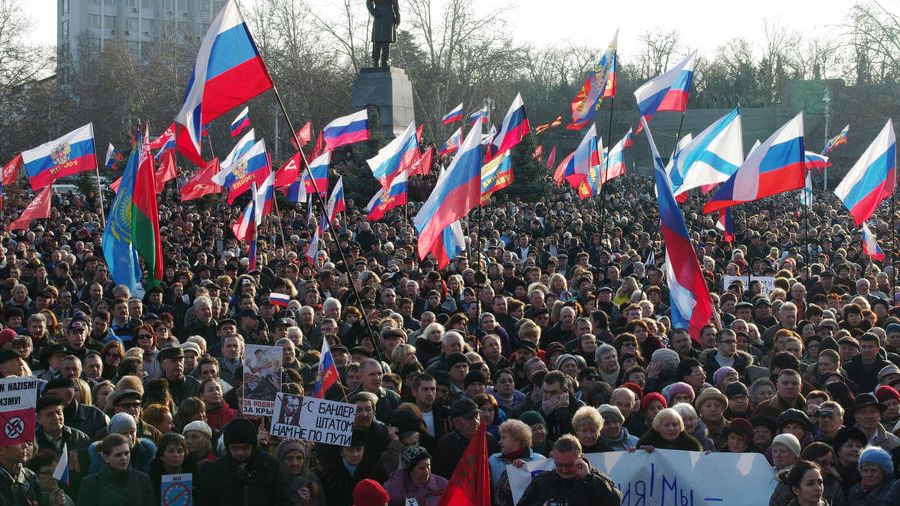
x=553 y=330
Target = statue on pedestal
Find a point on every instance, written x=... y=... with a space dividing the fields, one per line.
x=386 y=14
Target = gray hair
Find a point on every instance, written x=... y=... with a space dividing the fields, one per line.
x=604 y=349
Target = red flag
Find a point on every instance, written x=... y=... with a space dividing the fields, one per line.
x=538 y=153
x=289 y=172
x=422 y=165
x=186 y=147
x=419 y=133
x=320 y=146
x=166 y=170
x=114 y=186
x=201 y=184
x=560 y=173
x=303 y=135
x=11 y=170
x=163 y=137
x=551 y=159
x=38 y=208
x=471 y=481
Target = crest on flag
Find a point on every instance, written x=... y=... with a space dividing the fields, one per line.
x=60 y=154
x=240 y=169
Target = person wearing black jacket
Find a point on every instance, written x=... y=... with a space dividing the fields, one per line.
x=117 y=483
x=574 y=481
x=245 y=475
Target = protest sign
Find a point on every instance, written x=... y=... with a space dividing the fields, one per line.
x=262 y=379
x=175 y=489
x=18 y=398
x=768 y=282
x=311 y=419
x=678 y=477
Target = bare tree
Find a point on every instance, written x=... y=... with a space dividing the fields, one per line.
x=659 y=47
x=875 y=34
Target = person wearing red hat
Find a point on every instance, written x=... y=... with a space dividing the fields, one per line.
x=370 y=493
x=651 y=404
x=889 y=396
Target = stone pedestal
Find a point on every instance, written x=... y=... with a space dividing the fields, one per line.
x=390 y=90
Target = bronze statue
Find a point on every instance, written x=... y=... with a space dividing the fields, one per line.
x=384 y=28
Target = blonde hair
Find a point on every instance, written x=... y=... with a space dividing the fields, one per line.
x=587 y=415
x=666 y=415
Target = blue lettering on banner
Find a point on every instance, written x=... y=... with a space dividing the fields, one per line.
x=664 y=492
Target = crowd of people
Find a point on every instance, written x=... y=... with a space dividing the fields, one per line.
x=553 y=331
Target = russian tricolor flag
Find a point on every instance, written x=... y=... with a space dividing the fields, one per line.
x=265 y=198
x=870 y=245
x=319 y=170
x=583 y=159
x=336 y=203
x=667 y=92
x=388 y=198
x=453 y=116
x=456 y=192
x=246 y=224
x=347 y=129
x=241 y=122
x=725 y=224
x=776 y=166
x=452 y=243
x=452 y=143
x=614 y=165
x=242 y=146
x=815 y=160
x=396 y=157
x=873 y=177
x=514 y=127
x=61 y=472
x=279 y=299
x=691 y=304
x=112 y=156
x=252 y=167
x=477 y=115
x=228 y=72
x=68 y=155
x=313 y=250
x=327 y=374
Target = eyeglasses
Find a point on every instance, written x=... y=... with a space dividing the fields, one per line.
x=145 y=336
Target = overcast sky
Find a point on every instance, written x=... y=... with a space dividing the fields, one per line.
x=704 y=24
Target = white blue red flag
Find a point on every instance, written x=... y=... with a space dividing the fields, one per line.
x=513 y=129
x=452 y=243
x=667 y=92
x=806 y=194
x=347 y=130
x=335 y=204
x=395 y=157
x=113 y=157
x=252 y=167
x=815 y=161
x=265 y=198
x=614 y=164
x=725 y=224
x=691 y=304
x=456 y=192
x=312 y=251
x=229 y=71
x=61 y=471
x=599 y=84
x=585 y=157
x=870 y=244
x=776 y=166
x=319 y=170
x=68 y=155
x=279 y=299
x=386 y=199
x=710 y=157
x=452 y=143
x=239 y=123
x=453 y=116
x=245 y=225
x=243 y=145
x=327 y=375
x=479 y=114
x=873 y=177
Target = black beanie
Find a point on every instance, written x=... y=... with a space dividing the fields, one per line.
x=240 y=431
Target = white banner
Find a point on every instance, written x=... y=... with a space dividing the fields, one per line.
x=262 y=379
x=312 y=419
x=667 y=477
x=768 y=282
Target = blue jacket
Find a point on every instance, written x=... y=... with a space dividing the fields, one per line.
x=498 y=463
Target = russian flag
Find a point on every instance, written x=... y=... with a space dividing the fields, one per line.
x=252 y=167
x=279 y=299
x=241 y=122
x=453 y=116
x=837 y=140
x=347 y=129
x=70 y=154
x=452 y=143
x=873 y=177
x=313 y=250
x=456 y=192
x=629 y=139
x=599 y=84
x=112 y=157
x=776 y=166
x=477 y=115
x=560 y=174
x=583 y=159
x=327 y=374
x=319 y=170
x=514 y=127
x=614 y=165
x=336 y=203
x=242 y=146
x=396 y=157
x=815 y=160
x=452 y=243
x=590 y=185
x=229 y=71
x=386 y=199
x=691 y=304
x=265 y=198
x=61 y=471
x=711 y=157
x=870 y=245
x=667 y=92
x=725 y=224
x=246 y=224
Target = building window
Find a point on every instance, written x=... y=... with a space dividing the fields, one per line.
x=95 y=21
x=133 y=47
x=65 y=7
x=113 y=3
x=95 y=2
x=133 y=24
x=64 y=29
x=109 y=22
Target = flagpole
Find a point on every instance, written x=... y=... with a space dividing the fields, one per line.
x=612 y=106
x=99 y=190
x=374 y=337
x=280 y=226
x=893 y=250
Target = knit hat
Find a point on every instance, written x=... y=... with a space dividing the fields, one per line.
x=121 y=422
x=411 y=456
x=710 y=393
x=475 y=377
x=634 y=387
x=610 y=412
x=888 y=370
x=790 y=441
x=679 y=387
x=666 y=356
x=653 y=396
x=198 y=426
x=406 y=421
x=735 y=389
x=7 y=335
x=878 y=456
x=240 y=431
x=741 y=427
x=562 y=358
x=289 y=445
x=369 y=492
x=796 y=416
x=721 y=372
x=533 y=418
x=848 y=434
x=885 y=392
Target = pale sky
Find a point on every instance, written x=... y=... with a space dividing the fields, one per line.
x=704 y=24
